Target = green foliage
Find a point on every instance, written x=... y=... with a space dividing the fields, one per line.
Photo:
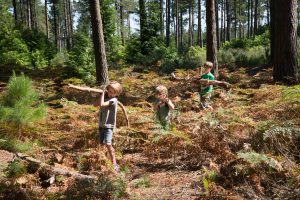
x=244 y=43
x=195 y=57
x=16 y=169
x=13 y=50
x=15 y=145
x=256 y=159
x=19 y=104
x=257 y=55
x=80 y=59
x=59 y=59
x=111 y=189
x=292 y=94
x=143 y=182
x=208 y=177
x=41 y=50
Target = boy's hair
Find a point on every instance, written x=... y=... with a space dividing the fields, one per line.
x=208 y=64
x=116 y=86
x=161 y=90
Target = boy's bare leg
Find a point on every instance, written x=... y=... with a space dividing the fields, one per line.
x=111 y=152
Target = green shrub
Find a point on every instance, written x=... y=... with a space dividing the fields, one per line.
x=226 y=57
x=13 y=50
x=19 y=104
x=16 y=169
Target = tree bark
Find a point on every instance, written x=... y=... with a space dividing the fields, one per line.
x=98 y=41
x=200 y=43
x=15 y=12
x=177 y=25
x=284 y=39
x=161 y=7
x=228 y=17
x=211 y=37
x=168 y=22
x=46 y=19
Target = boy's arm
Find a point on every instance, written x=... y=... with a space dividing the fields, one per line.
x=104 y=103
x=169 y=103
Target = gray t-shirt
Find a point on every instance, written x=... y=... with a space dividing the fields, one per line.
x=107 y=115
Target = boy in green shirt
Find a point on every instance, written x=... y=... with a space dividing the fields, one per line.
x=207 y=87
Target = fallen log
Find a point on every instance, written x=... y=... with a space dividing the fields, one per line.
x=222 y=84
x=54 y=170
x=88 y=89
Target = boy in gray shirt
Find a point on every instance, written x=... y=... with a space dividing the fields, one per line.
x=107 y=118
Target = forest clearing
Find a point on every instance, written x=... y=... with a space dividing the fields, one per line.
x=236 y=151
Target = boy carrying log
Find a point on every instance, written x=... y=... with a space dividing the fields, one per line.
x=206 y=86
x=107 y=117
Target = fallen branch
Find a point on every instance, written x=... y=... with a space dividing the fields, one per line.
x=53 y=170
x=88 y=89
x=222 y=84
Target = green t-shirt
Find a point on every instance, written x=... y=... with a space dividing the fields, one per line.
x=208 y=89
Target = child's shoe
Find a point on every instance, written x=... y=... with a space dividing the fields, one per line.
x=116 y=168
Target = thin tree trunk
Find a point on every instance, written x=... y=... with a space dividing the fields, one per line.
x=161 y=7
x=46 y=18
x=98 y=40
x=29 y=14
x=217 y=23
x=235 y=18
x=122 y=23
x=228 y=17
x=15 y=12
x=200 y=43
x=190 y=26
x=168 y=23
x=143 y=24
x=177 y=25
x=255 y=16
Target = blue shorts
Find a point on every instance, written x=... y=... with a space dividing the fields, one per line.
x=106 y=135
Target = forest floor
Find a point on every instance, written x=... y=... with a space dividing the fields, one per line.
x=246 y=148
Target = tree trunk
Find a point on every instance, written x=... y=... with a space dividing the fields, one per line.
x=235 y=18
x=55 y=24
x=28 y=14
x=177 y=25
x=70 y=19
x=143 y=24
x=46 y=19
x=255 y=16
x=15 y=12
x=122 y=23
x=217 y=23
x=168 y=23
x=211 y=38
x=284 y=31
x=228 y=17
x=161 y=7
x=199 y=25
x=190 y=26
x=99 y=46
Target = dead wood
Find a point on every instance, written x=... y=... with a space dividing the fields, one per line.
x=52 y=169
x=88 y=89
x=222 y=84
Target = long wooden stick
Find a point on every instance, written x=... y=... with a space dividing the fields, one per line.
x=88 y=89
x=222 y=84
